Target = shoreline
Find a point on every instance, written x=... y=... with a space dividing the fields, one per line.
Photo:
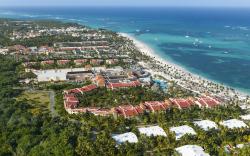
x=147 y=50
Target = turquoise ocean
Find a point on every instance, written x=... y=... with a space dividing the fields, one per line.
x=211 y=42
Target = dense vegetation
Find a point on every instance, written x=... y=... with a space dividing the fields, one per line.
x=106 y=98
x=24 y=132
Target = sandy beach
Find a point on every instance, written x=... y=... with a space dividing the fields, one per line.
x=188 y=76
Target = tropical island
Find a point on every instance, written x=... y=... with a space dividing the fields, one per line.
x=69 y=89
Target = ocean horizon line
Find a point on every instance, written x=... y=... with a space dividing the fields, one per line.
x=110 y=6
x=210 y=43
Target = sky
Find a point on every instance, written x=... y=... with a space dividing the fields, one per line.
x=146 y=3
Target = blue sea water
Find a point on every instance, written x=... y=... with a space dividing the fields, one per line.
x=211 y=42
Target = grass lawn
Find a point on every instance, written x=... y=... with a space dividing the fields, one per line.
x=39 y=100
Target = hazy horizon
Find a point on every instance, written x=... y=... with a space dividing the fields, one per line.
x=126 y=3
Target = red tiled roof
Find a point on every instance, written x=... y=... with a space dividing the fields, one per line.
x=182 y=103
x=140 y=109
x=48 y=62
x=74 y=91
x=70 y=104
x=70 y=101
x=126 y=111
x=63 y=61
x=208 y=101
x=81 y=90
x=155 y=105
x=68 y=95
x=124 y=85
x=88 y=88
x=80 y=61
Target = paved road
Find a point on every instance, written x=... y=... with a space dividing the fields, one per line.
x=52 y=103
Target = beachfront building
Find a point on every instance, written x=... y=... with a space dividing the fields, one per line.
x=125 y=137
x=191 y=150
x=206 y=125
x=234 y=124
x=182 y=130
x=207 y=102
x=152 y=131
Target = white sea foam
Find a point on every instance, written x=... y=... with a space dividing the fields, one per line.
x=144 y=48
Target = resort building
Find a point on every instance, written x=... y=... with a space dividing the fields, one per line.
x=127 y=111
x=62 y=62
x=80 y=61
x=99 y=80
x=96 y=61
x=112 y=61
x=182 y=130
x=140 y=109
x=125 y=137
x=234 y=124
x=191 y=150
x=123 y=85
x=152 y=131
x=207 y=102
x=181 y=103
x=18 y=49
x=54 y=74
x=206 y=125
x=154 y=106
x=70 y=101
x=45 y=49
x=81 y=90
x=80 y=75
x=48 y=62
